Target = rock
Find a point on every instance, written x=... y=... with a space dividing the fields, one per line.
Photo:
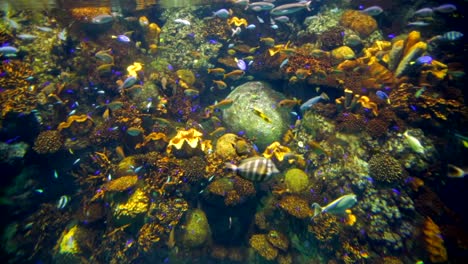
x=241 y=116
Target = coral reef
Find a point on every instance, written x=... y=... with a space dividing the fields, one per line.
x=359 y=22
x=385 y=168
x=296 y=180
x=434 y=242
x=48 y=141
x=295 y=206
x=259 y=242
x=324 y=227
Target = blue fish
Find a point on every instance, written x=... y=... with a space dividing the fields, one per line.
x=222 y=13
x=309 y=103
x=102 y=19
x=122 y=38
x=338 y=206
x=382 y=95
x=131 y=80
x=241 y=64
x=446 y=8
x=423 y=60
x=8 y=50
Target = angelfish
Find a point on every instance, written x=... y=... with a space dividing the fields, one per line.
x=338 y=206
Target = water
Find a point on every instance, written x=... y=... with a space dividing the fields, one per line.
x=118 y=119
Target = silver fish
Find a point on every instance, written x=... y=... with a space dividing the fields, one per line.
x=290 y=8
x=102 y=19
x=373 y=11
x=257 y=169
x=309 y=103
x=424 y=12
x=63 y=201
x=338 y=206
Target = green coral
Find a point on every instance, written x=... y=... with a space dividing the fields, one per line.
x=385 y=168
x=296 y=180
x=197 y=229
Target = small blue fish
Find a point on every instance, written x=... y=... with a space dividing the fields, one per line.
x=55 y=174
x=122 y=38
x=373 y=11
x=8 y=50
x=274 y=26
x=222 y=13
x=44 y=29
x=382 y=95
x=76 y=161
x=309 y=103
x=423 y=60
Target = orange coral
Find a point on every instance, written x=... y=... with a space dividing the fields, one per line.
x=277 y=151
x=434 y=242
x=359 y=22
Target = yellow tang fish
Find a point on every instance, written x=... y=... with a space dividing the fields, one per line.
x=261 y=115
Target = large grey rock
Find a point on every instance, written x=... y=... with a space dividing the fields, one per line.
x=241 y=116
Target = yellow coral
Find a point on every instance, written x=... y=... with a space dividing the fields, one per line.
x=134 y=68
x=366 y=102
x=238 y=21
x=137 y=204
x=73 y=118
x=260 y=244
x=187 y=141
x=68 y=242
x=154 y=136
x=276 y=150
x=121 y=184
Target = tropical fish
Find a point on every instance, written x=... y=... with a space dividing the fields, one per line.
x=455 y=171
x=414 y=143
x=191 y=92
x=251 y=27
x=446 y=8
x=102 y=19
x=222 y=13
x=143 y=21
x=241 y=64
x=220 y=84
x=289 y=102
x=223 y=104
x=382 y=95
x=261 y=114
x=216 y=71
x=282 y=19
x=104 y=56
x=26 y=36
x=424 y=12
x=452 y=35
x=290 y=8
x=373 y=11
x=8 y=50
x=338 y=206
x=309 y=103
x=256 y=169
x=131 y=80
x=418 y=24
x=260 y=6
x=63 y=201
x=182 y=21
x=235 y=74
x=217 y=132
x=423 y=60
x=121 y=38
x=268 y=41
x=283 y=63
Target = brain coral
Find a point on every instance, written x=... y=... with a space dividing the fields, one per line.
x=49 y=141
x=359 y=22
x=385 y=168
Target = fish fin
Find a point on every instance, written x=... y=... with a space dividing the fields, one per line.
x=231 y=166
x=324 y=96
x=317 y=209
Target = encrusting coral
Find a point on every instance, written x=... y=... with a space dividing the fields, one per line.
x=49 y=141
x=385 y=168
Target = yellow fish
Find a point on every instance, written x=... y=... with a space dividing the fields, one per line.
x=268 y=41
x=220 y=84
x=261 y=115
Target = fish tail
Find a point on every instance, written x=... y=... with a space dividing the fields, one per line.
x=324 y=96
x=231 y=166
x=317 y=209
x=308 y=5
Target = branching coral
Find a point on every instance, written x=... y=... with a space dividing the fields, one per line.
x=49 y=141
x=385 y=168
x=149 y=235
x=19 y=100
x=14 y=74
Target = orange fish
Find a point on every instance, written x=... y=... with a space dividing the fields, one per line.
x=217 y=71
x=220 y=84
x=234 y=75
x=223 y=104
x=289 y=102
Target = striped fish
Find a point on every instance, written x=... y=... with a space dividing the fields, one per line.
x=257 y=169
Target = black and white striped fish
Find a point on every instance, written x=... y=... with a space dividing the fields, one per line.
x=257 y=169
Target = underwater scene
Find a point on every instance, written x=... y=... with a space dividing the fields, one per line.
x=233 y=131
